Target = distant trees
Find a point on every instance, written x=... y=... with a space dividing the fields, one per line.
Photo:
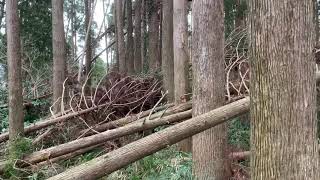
x=284 y=141
x=59 y=52
x=14 y=71
x=209 y=147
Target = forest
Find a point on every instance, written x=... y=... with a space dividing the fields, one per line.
x=159 y=89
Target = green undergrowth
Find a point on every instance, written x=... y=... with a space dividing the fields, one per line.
x=167 y=164
x=16 y=150
x=239 y=133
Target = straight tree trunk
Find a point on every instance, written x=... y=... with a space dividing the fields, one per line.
x=141 y=148
x=181 y=60
x=209 y=147
x=2 y=7
x=153 y=45
x=282 y=90
x=116 y=50
x=129 y=49
x=88 y=46
x=120 y=37
x=137 y=37
x=14 y=71
x=167 y=49
x=59 y=52
x=106 y=25
x=143 y=34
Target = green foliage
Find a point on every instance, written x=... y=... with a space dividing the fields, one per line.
x=99 y=71
x=167 y=164
x=36 y=29
x=81 y=159
x=239 y=133
x=16 y=149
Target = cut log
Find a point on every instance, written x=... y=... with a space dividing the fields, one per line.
x=51 y=121
x=163 y=111
x=69 y=147
x=134 y=151
x=236 y=156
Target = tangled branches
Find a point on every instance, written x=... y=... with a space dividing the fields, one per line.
x=237 y=65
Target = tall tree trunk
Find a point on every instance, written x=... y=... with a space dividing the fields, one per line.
x=106 y=25
x=129 y=50
x=153 y=46
x=209 y=147
x=167 y=48
x=282 y=90
x=143 y=33
x=2 y=6
x=59 y=52
x=181 y=61
x=120 y=37
x=116 y=50
x=137 y=37
x=14 y=71
x=316 y=19
x=88 y=46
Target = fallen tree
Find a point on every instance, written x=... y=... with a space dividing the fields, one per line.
x=51 y=121
x=164 y=110
x=78 y=144
x=134 y=151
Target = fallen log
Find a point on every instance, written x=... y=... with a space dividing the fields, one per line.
x=66 y=148
x=236 y=156
x=51 y=121
x=134 y=151
x=126 y=120
x=66 y=156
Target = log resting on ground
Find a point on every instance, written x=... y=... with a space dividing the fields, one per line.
x=160 y=111
x=69 y=147
x=45 y=123
x=134 y=151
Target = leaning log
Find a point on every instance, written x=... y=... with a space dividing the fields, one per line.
x=160 y=111
x=69 y=147
x=52 y=121
x=132 y=152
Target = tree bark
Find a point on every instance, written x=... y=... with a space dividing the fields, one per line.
x=134 y=151
x=88 y=45
x=282 y=89
x=2 y=6
x=181 y=60
x=129 y=49
x=14 y=71
x=59 y=53
x=167 y=48
x=143 y=34
x=120 y=37
x=153 y=45
x=116 y=63
x=209 y=88
x=137 y=37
